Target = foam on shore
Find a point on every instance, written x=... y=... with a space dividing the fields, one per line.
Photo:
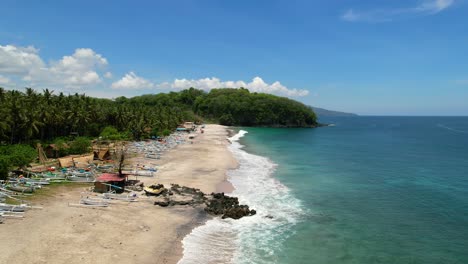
x=254 y=239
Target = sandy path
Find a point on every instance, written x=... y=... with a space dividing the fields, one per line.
x=125 y=232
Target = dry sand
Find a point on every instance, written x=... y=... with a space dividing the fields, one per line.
x=138 y=232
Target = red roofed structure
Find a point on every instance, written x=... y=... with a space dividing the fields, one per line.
x=109 y=177
x=108 y=182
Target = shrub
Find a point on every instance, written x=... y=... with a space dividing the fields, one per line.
x=15 y=156
x=80 y=145
x=111 y=133
x=166 y=132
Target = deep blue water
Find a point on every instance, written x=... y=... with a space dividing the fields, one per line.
x=375 y=189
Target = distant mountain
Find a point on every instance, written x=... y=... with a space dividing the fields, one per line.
x=320 y=112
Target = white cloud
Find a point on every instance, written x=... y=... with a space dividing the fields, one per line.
x=256 y=85
x=350 y=15
x=19 y=60
x=426 y=7
x=85 y=68
x=79 y=69
x=132 y=81
x=434 y=6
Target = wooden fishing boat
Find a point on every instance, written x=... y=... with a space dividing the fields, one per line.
x=145 y=173
x=52 y=176
x=80 y=179
x=114 y=196
x=38 y=181
x=12 y=207
x=21 y=189
x=94 y=202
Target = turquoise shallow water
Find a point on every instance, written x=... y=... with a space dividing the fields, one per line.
x=373 y=189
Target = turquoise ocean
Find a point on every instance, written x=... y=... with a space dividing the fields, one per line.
x=365 y=190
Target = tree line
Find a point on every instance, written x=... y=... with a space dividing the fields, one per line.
x=44 y=116
x=31 y=117
x=239 y=107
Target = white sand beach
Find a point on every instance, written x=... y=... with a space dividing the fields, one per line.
x=137 y=232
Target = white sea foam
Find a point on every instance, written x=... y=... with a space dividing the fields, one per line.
x=254 y=239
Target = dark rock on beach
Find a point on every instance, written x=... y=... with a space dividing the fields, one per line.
x=227 y=206
x=162 y=203
x=216 y=203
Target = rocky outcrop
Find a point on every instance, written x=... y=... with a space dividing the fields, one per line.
x=227 y=206
x=215 y=203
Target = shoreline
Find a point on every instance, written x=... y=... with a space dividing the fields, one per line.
x=125 y=232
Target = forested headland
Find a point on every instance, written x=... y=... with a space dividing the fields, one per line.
x=43 y=116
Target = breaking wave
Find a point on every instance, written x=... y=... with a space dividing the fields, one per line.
x=253 y=239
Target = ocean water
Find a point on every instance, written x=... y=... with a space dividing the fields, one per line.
x=366 y=190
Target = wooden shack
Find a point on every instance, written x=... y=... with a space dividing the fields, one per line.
x=189 y=126
x=102 y=154
x=108 y=182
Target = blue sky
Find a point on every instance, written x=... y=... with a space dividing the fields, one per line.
x=386 y=57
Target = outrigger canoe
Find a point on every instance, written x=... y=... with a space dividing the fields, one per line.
x=21 y=189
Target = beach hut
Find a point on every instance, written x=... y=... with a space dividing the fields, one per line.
x=51 y=151
x=109 y=182
x=83 y=161
x=66 y=162
x=189 y=126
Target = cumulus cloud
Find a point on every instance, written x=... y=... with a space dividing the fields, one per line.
x=85 y=68
x=426 y=7
x=79 y=69
x=19 y=60
x=256 y=85
x=132 y=81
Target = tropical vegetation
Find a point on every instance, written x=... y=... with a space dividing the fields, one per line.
x=14 y=156
x=32 y=116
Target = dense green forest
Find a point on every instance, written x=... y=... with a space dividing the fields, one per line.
x=43 y=116
x=31 y=117
x=241 y=108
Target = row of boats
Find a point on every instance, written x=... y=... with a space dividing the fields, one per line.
x=155 y=148
x=12 y=210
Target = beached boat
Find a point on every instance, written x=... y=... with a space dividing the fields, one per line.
x=28 y=181
x=154 y=189
x=105 y=168
x=144 y=173
x=10 y=215
x=82 y=174
x=114 y=196
x=153 y=156
x=93 y=202
x=80 y=179
x=12 y=207
x=21 y=189
x=37 y=181
x=52 y=176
